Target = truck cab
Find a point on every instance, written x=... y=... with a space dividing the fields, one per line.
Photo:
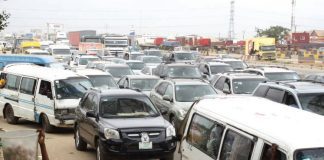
x=262 y=47
x=116 y=45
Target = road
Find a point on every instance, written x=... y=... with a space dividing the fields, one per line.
x=60 y=145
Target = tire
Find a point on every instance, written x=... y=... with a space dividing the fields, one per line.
x=47 y=127
x=80 y=144
x=168 y=157
x=10 y=115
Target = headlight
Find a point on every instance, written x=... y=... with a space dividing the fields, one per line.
x=111 y=134
x=182 y=113
x=170 y=131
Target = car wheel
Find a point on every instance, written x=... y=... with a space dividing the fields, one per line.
x=168 y=157
x=47 y=127
x=80 y=144
x=10 y=115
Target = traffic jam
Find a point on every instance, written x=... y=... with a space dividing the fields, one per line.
x=84 y=94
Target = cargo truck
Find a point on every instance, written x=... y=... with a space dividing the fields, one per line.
x=90 y=43
x=262 y=47
x=75 y=36
x=116 y=45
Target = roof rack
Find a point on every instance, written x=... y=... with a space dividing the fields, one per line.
x=287 y=84
x=306 y=80
x=270 y=66
x=95 y=89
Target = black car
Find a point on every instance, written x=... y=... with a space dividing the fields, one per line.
x=123 y=123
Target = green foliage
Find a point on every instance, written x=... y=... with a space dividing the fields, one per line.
x=4 y=20
x=277 y=32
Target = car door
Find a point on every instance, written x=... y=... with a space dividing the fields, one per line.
x=10 y=91
x=169 y=91
x=91 y=123
x=83 y=123
x=44 y=99
x=202 y=140
x=157 y=96
x=27 y=97
x=219 y=84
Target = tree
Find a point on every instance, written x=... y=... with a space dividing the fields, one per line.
x=277 y=32
x=3 y=20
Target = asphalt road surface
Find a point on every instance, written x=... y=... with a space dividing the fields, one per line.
x=60 y=145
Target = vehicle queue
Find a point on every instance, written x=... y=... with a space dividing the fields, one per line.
x=141 y=105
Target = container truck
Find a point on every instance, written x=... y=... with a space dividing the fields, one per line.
x=262 y=47
x=90 y=43
x=75 y=36
x=116 y=45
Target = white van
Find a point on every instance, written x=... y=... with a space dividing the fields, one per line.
x=250 y=128
x=45 y=95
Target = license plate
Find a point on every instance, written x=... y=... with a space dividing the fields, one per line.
x=145 y=145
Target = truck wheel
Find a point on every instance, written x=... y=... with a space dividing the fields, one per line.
x=80 y=144
x=47 y=127
x=10 y=115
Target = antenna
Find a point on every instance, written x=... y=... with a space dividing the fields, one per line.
x=293 y=23
x=231 y=22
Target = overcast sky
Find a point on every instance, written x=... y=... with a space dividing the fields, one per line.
x=164 y=17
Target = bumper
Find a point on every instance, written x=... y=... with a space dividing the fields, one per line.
x=129 y=149
x=64 y=121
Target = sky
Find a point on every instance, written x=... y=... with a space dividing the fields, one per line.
x=164 y=17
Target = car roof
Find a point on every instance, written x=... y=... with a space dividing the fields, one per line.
x=183 y=81
x=134 y=61
x=227 y=59
x=300 y=87
x=240 y=75
x=273 y=69
x=88 y=72
x=269 y=120
x=114 y=65
x=179 y=64
x=142 y=77
x=88 y=56
x=218 y=64
x=41 y=72
x=120 y=92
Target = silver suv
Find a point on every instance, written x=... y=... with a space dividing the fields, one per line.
x=236 y=82
x=303 y=95
x=175 y=96
x=274 y=73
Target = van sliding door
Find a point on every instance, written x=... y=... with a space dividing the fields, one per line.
x=27 y=98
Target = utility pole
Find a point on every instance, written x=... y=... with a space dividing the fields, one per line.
x=293 y=23
x=231 y=34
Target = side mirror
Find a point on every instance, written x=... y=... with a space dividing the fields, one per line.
x=121 y=86
x=49 y=95
x=167 y=98
x=91 y=114
x=205 y=76
x=163 y=111
x=226 y=91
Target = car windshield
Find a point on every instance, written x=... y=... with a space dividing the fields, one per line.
x=282 y=76
x=136 y=65
x=103 y=81
x=85 y=61
x=220 y=69
x=154 y=53
x=313 y=102
x=236 y=64
x=135 y=107
x=310 y=154
x=190 y=93
x=245 y=86
x=72 y=88
x=61 y=51
x=268 y=48
x=184 y=72
x=152 y=60
x=184 y=56
x=143 y=84
x=119 y=71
